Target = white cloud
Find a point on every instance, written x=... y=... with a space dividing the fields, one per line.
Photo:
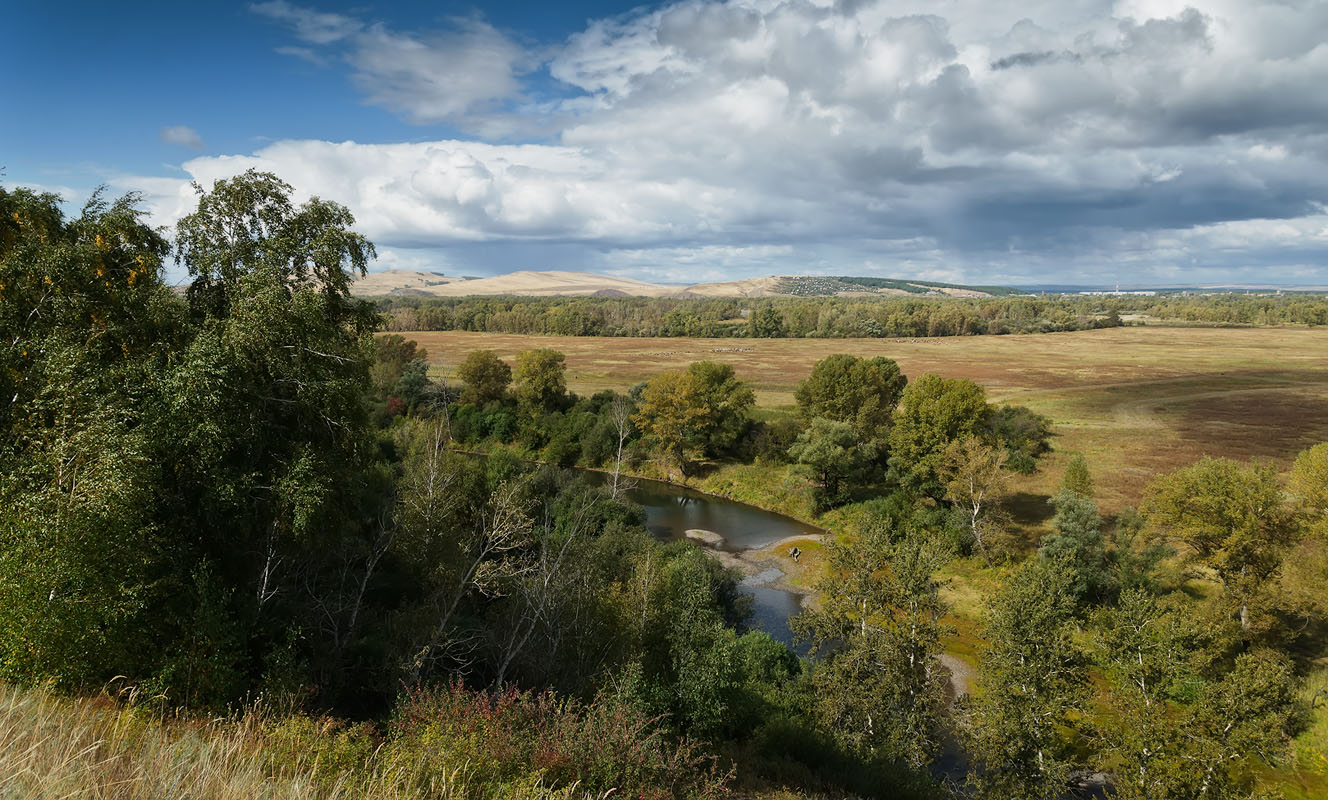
x=432 y=77
x=310 y=26
x=1055 y=140
x=182 y=135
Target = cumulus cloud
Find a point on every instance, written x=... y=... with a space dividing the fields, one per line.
x=1051 y=142
x=182 y=135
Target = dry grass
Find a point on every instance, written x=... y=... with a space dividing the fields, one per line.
x=1135 y=401
x=93 y=749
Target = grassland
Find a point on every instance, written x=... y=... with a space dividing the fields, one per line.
x=1135 y=401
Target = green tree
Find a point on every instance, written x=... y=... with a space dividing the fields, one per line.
x=1032 y=680
x=1024 y=434
x=541 y=381
x=933 y=412
x=1232 y=519
x=1178 y=729
x=728 y=403
x=265 y=423
x=83 y=320
x=880 y=688
x=859 y=391
x=692 y=414
x=1078 y=541
x=834 y=456
x=973 y=474
x=486 y=377
x=672 y=414
x=767 y=322
x=1077 y=478
x=1309 y=481
x=393 y=353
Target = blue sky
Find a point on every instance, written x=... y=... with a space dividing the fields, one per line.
x=1046 y=141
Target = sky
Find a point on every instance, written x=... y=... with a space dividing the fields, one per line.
x=1145 y=142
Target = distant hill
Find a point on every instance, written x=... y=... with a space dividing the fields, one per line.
x=400 y=281
x=529 y=283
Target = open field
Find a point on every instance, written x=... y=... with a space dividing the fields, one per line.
x=1135 y=401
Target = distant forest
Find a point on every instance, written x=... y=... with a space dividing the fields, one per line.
x=837 y=317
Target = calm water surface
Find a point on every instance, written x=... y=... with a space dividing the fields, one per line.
x=671 y=511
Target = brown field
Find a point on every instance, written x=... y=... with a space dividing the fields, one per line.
x=1135 y=401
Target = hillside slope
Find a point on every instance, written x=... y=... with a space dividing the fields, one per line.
x=554 y=283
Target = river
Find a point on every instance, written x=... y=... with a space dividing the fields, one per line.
x=673 y=510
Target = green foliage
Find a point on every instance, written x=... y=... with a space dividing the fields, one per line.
x=1078 y=542
x=1032 y=679
x=1309 y=481
x=486 y=377
x=1232 y=518
x=1077 y=479
x=767 y=322
x=689 y=415
x=1024 y=435
x=834 y=456
x=859 y=391
x=880 y=689
x=973 y=475
x=933 y=412
x=926 y=314
x=83 y=314
x=1186 y=722
x=541 y=383
x=392 y=355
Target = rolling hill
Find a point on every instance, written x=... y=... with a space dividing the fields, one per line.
x=531 y=283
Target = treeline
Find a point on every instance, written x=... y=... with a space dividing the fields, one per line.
x=836 y=317
x=1231 y=308
x=824 y=317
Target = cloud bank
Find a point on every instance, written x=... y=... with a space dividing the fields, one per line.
x=1070 y=141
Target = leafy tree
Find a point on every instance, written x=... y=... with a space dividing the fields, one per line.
x=858 y=391
x=672 y=414
x=1024 y=434
x=834 y=456
x=728 y=403
x=1176 y=729
x=1077 y=478
x=83 y=313
x=265 y=417
x=692 y=414
x=541 y=383
x=1232 y=518
x=767 y=322
x=393 y=354
x=486 y=377
x=880 y=689
x=974 y=477
x=1078 y=541
x=1031 y=680
x=414 y=386
x=933 y=412
x=1309 y=481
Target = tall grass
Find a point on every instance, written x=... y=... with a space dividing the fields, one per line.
x=54 y=748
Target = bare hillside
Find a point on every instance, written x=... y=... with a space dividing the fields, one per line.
x=400 y=281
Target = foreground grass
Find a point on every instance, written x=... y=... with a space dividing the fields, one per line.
x=55 y=748
x=451 y=744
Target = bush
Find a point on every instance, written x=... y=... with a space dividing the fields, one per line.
x=601 y=746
